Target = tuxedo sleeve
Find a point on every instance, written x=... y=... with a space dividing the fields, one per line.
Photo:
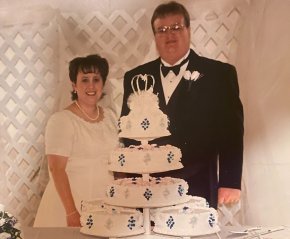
x=231 y=130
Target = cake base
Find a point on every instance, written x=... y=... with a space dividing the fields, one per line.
x=160 y=236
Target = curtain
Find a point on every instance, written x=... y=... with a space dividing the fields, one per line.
x=262 y=61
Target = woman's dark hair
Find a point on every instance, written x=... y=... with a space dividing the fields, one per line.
x=88 y=64
x=170 y=8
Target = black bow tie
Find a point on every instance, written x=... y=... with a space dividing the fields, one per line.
x=165 y=69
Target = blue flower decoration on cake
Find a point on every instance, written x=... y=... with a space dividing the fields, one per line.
x=185 y=209
x=134 y=180
x=131 y=223
x=121 y=159
x=158 y=180
x=211 y=220
x=90 y=221
x=170 y=157
x=147 y=194
x=112 y=192
x=170 y=222
x=180 y=190
x=145 y=124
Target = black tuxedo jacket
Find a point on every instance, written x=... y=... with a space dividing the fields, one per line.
x=206 y=123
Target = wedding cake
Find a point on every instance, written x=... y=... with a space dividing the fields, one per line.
x=164 y=200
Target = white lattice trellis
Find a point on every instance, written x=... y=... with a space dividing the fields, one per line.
x=214 y=35
x=28 y=78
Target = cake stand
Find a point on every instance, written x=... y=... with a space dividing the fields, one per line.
x=149 y=234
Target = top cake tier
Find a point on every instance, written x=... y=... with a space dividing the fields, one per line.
x=145 y=120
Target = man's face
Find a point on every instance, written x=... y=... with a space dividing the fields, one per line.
x=172 y=37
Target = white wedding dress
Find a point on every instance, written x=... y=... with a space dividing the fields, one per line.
x=88 y=146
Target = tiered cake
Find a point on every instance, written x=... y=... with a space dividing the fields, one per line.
x=163 y=200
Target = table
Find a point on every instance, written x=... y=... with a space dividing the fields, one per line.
x=74 y=233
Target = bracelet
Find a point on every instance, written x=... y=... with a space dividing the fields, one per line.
x=72 y=213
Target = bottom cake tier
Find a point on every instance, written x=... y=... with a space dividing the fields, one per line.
x=193 y=218
x=98 y=219
x=186 y=222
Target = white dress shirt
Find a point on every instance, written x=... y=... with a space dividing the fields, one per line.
x=170 y=82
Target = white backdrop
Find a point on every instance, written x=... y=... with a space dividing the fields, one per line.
x=36 y=43
x=263 y=63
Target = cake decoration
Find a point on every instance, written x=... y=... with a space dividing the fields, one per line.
x=145 y=120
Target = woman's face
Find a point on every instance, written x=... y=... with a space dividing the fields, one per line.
x=89 y=87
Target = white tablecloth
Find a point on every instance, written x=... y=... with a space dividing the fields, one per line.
x=74 y=233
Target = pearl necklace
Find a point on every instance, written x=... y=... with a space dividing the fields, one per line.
x=85 y=114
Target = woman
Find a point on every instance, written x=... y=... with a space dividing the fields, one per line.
x=78 y=142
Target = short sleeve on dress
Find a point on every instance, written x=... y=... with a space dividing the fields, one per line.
x=59 y=134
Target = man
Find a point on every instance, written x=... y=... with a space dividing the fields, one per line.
x=202 y=102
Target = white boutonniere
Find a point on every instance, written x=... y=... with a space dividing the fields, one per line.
x=192 y=76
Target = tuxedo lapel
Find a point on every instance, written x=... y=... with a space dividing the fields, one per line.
x=184 y=87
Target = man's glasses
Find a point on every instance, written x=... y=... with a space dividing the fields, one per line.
x=173 y=28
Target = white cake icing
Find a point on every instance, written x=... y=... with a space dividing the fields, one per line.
x=193 y=202
x=100 y=205
x=145 y=120
x=186 y=221
x=157 y=192
x=145 y=159
x=102 y=220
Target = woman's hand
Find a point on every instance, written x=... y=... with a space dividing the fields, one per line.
x=73 y=219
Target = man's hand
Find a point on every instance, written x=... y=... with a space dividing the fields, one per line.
x=228 y=195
